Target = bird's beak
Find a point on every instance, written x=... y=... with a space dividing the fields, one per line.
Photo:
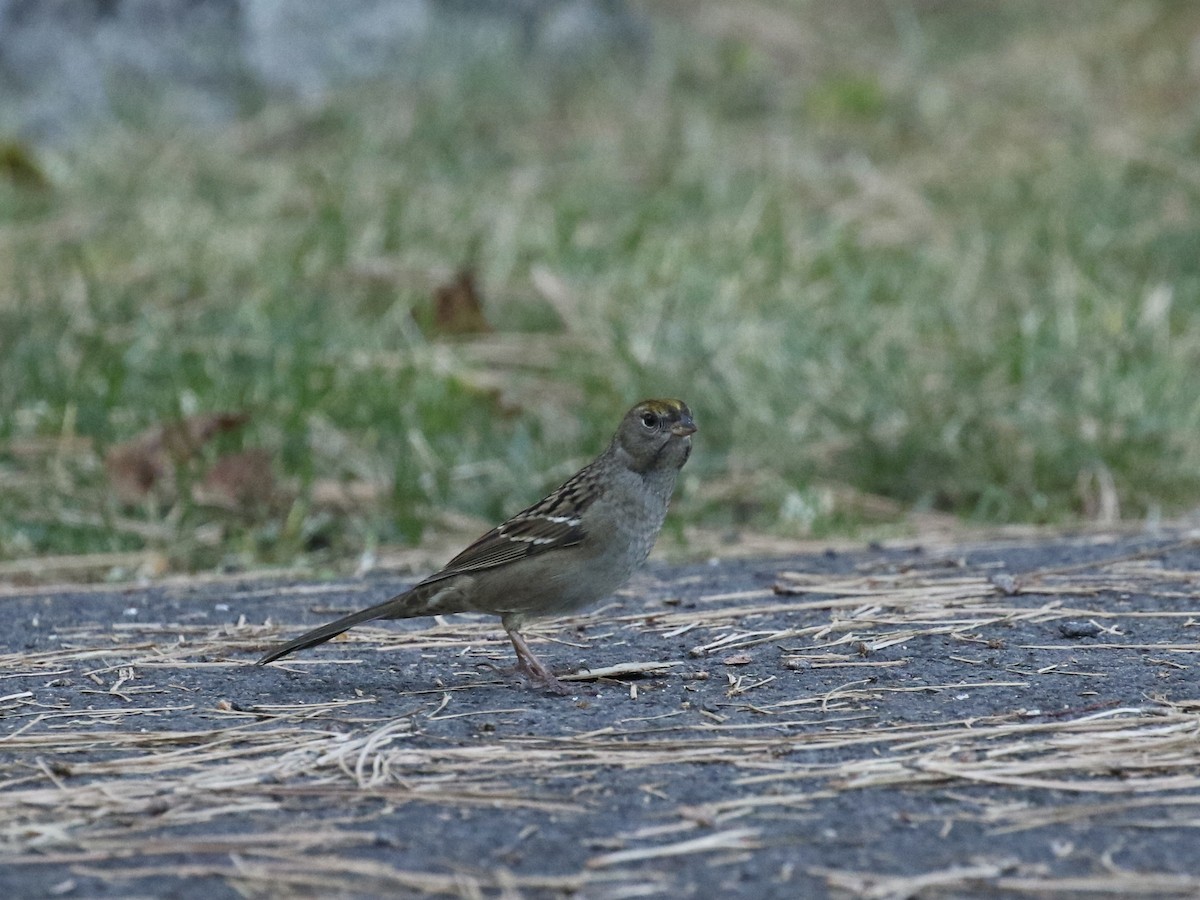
x=684 y=427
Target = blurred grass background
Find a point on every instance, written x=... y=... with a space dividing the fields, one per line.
x=901 y=258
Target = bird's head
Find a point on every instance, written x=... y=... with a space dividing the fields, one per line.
x=657 y=434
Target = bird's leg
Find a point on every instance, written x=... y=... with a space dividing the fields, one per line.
x=530 y=666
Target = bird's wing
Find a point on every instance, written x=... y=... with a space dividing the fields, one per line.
x=550 y=524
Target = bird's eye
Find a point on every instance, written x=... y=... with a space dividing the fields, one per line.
x=650 y=420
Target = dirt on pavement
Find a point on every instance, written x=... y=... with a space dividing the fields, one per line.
x=999 y=719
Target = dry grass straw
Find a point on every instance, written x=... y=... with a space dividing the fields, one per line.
x=78 y=785
x=1010 y=877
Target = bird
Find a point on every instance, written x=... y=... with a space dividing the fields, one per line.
x=567 y=551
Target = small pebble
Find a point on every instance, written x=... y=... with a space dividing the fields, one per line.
x=1078 y=629
x=1006 y=583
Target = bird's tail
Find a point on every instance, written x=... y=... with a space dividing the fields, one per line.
x=396 y=608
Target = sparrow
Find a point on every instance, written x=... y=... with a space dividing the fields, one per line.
x=565 y=552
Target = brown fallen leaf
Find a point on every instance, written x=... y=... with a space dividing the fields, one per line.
x=134 y=468
x=238 y=481
x=458 y=307
x=738 y=659
x=183 y=439
x=20 y=167
x=148 y=460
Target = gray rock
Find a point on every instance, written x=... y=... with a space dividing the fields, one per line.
x=67 y=65
x=307 y=47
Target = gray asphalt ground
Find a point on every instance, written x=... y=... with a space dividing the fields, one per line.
x=998 y=719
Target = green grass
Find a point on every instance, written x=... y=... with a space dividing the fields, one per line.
x=912 y=250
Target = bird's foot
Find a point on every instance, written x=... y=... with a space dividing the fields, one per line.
x=539 y=676
x=530 y=666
